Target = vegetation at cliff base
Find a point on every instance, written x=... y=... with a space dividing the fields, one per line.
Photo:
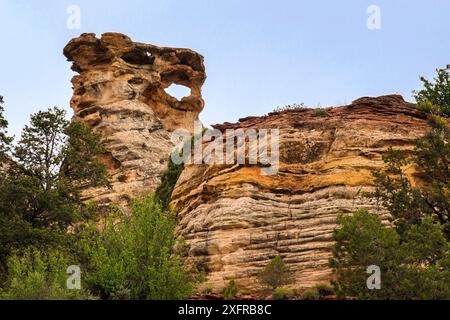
x=230 y=291
x=275 y=274
x=37 y=275
x=134 y=257
x=415 y=267
x=134 y=253
x=41 y=181
x=45 y=227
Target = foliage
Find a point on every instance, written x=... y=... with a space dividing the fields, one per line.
x=133 y=257
x=35 y=275
x=40 y=190
x=5 y=140
x=408 y=204
x=275 y=274
x=320 y=112
x=281 y=293
x=324 y=289
x=80 y=164
x=207 y=290
x=291 y=107
x=311 y=294
x=414 y=256
x=414 y=268
x=435 y=95
x=168 y=181
x=170 y=177
x=428 y=107
x=230 y=291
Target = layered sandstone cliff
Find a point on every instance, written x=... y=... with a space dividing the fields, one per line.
x=120 y=93
x=236 y=219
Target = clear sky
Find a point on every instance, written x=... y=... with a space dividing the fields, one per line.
x=258 y=54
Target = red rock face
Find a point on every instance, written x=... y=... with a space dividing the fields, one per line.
x=120 y=93
x=236 y=220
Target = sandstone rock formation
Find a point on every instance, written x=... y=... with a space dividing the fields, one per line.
x=120 y=93
x=235 y=219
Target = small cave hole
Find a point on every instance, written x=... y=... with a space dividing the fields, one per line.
x=178 y=91
x=138 y=56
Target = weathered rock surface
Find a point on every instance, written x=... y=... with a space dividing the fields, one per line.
x=235 y=219
x=120 y=93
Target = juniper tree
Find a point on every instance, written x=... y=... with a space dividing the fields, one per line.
x=40 y=191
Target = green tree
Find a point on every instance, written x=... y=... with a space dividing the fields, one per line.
x=134 y=257
x=413 y=268
x=407 y=204
x=275 y=274
x=168 y=181
x=230 y=291
x=40 y=190
x=170 y=177
x=5 y=139
x=435 y=93
x=36 y=275
x=413 y=257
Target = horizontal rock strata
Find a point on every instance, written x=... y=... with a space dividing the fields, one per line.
x=235 y=219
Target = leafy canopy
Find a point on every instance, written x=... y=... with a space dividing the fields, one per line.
x=40 y=188
x=5 y=139
x=435 y=96
x=134 y=257
x=36 y=275
x=416 y=267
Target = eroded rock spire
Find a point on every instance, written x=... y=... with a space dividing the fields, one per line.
x=120 y=93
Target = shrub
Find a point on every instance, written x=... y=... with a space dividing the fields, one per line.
x=428 y=107
x=168 y=181
x=281 y=294
x=275 y=274
x=324 y=289
x=311 y=294
x=170 y=177
x=291 y=107
x=321 y=112
x=412 y=268
x=230 y=291
x=207 y=290
x=438 y=122
x=35 y=275
x=134 y=257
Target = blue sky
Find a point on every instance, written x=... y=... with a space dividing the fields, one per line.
x=258 y=54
